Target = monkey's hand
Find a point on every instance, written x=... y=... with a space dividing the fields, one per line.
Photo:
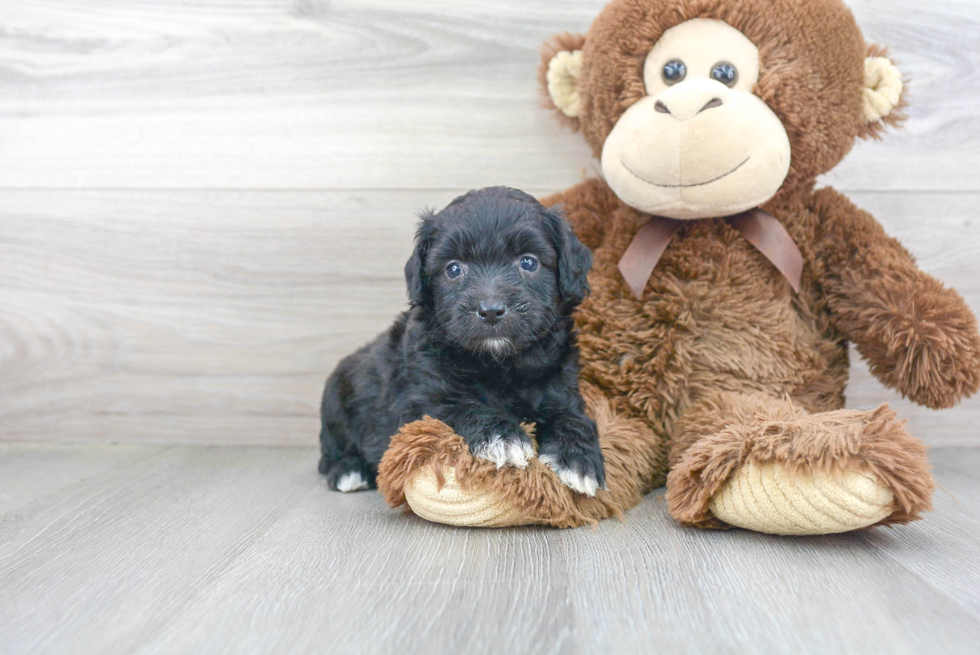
x=918 y=336
x=922 y=341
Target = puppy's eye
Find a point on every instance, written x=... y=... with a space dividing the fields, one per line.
x=675 y=70
x=725 y=73
x=529 y=264
x=454 y=270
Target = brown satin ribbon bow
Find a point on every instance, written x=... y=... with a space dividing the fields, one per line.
x=759 y=228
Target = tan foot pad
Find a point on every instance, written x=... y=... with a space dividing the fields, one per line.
x=452 y=505
x=767 y=498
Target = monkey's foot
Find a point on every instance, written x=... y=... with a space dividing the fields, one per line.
x=770 y=498
x=439 y=498
x=794 y=473
x=429 y=470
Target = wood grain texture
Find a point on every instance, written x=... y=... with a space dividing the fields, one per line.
x=181 y=549
x=379 y=94
x=214 y=317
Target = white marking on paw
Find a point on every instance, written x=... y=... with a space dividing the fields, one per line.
x=352 y=481
x=584 y=484
x=506 y=452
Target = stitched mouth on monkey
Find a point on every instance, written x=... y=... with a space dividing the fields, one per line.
x=683 y=186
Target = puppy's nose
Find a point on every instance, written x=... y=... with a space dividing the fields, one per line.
x=491 y=311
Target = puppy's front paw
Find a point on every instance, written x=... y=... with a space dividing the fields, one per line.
x=504 y=445
x=579 y=469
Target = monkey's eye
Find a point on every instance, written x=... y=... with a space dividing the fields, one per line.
x=675 y=70
x=725 y=73
x=454 y=270
x=529 y=264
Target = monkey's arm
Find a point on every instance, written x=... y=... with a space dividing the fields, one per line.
x=589 y=207
x=918 y=336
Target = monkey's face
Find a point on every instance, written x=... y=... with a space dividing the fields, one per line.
x=702 y=109
x=700 y=143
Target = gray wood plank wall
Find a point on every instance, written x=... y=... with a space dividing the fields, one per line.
x=203 y=205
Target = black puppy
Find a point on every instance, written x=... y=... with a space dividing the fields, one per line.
x=487 y=344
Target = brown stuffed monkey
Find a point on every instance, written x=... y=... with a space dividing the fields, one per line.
x=725 y=289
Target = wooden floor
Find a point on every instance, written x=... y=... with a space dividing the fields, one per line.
x=222 y=549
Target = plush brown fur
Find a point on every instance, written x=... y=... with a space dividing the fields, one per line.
x=721 y=362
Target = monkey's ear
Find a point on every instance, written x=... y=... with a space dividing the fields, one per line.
x=574 y=258
x=884 y=94
x=558 y=73
x=415 y=276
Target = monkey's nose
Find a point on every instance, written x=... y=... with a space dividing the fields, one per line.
x=661 y=107
x=714 y=102
x=686 y=100
x=491 y=311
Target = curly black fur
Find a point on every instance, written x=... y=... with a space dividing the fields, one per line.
x=487 y=344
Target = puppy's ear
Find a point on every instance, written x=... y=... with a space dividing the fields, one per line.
x=574 y=258
x=415 y=277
